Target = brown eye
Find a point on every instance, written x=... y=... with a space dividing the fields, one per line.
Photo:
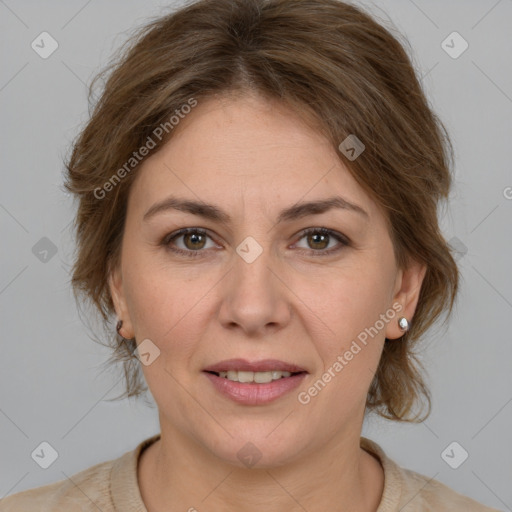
x=318 y=241
x=194 y=241
x=188 y=242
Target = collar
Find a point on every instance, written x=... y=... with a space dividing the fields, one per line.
x=124 y=487
x=392 y=476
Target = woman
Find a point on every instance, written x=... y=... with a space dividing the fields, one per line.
x=258 y=189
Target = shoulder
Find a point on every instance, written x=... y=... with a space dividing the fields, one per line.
x=83 y=491
x=410 y=491
x=420 y=492
x=107 y=486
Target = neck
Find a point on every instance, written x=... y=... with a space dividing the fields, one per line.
x=176 y=474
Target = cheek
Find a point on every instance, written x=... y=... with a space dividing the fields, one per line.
x=166 y=305
x=350 y=350
x=350 y=308
x=356 y=297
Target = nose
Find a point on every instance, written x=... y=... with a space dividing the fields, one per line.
x=255 y=299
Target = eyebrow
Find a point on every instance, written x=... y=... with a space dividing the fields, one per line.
x=214 y=213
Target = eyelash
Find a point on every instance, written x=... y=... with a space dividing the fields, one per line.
x=344 y=241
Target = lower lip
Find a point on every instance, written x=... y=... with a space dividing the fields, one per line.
x=250 y=393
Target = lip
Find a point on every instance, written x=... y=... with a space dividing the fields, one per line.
x=264 y=365
x=250 y=393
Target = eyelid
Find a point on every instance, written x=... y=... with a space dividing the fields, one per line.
x=342 y=239
x=185 y=231
x=326 y=231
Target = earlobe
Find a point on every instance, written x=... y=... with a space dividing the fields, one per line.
x=407 y=292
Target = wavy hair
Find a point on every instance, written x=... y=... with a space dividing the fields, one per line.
x=334 y=65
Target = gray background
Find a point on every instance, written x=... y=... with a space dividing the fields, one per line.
x=51 y=388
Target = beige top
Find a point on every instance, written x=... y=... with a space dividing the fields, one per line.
x=112 y=486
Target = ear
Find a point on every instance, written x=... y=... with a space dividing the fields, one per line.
x=407 y=291
x=115 y=283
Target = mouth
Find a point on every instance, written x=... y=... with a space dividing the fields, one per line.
x=254 y=377
x=241 y=370
x=255 y=383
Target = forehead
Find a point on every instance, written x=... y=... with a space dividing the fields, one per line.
x=245 y=147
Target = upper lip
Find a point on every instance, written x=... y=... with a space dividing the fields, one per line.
x=264 y=365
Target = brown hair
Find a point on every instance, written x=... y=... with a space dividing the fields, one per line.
x=330 y=62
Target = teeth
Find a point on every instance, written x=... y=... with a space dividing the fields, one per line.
x=258 y=377
x=231 y=375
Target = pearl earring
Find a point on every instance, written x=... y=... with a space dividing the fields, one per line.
x=403 y=323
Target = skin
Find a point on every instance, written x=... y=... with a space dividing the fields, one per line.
x=252 y=158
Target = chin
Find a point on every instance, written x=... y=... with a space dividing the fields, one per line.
x=260 y=447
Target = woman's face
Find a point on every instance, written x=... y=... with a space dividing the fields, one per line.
x=252 y=285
